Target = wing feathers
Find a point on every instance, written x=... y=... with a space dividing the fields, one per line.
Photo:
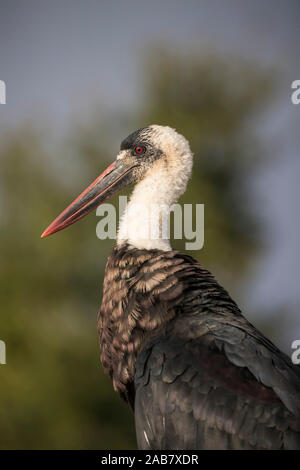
x=197 y=397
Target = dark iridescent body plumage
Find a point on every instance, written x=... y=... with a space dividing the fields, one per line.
x=196 y=373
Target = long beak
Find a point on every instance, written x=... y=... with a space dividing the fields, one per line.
x=115 y=177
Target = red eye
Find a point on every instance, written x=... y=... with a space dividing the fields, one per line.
x=139 y=150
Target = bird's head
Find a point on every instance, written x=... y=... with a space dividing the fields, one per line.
x=147 y=150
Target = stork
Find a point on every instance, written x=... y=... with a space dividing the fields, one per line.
x=195 y=372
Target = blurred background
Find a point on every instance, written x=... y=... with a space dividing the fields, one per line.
x=80 y=76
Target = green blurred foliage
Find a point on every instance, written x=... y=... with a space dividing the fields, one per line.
x=53 y=392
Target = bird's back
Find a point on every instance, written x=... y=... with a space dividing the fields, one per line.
x=197 y=374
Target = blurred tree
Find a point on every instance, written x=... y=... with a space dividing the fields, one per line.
x=53 y=393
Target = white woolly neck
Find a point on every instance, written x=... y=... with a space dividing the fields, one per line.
x=162 y=185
